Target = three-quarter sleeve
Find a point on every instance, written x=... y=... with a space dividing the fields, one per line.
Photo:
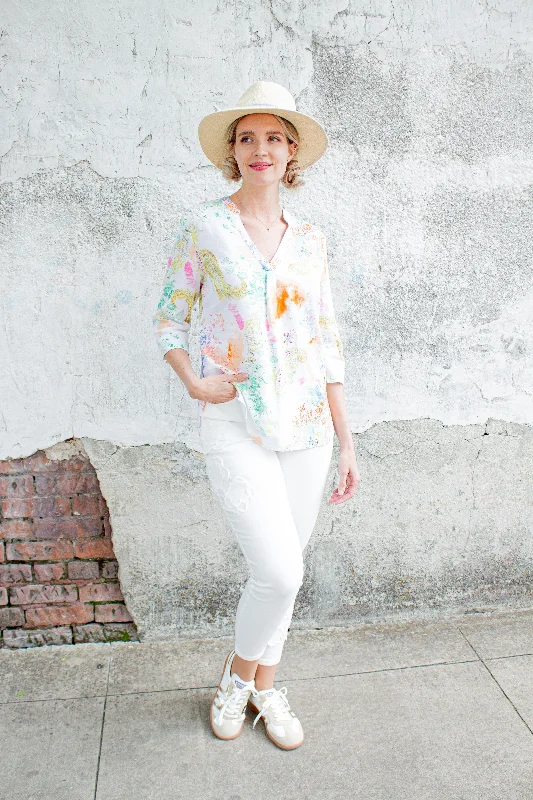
x=332 y=351
x=181 y=288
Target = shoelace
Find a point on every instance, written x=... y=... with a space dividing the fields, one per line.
x=233 y=705
x=276 y=704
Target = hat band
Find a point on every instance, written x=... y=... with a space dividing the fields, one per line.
x=260 y=105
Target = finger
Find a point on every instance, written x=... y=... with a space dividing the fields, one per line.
x=241 y=376
x=349 y=492
x=336 y=498
x=345 y=489
x=342 y=483
x=353 y=477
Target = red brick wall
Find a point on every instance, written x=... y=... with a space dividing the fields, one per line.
x=58 y=573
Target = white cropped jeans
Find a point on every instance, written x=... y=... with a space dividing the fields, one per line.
x=271 y=500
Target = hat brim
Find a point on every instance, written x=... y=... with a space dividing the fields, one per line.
x=212 y=128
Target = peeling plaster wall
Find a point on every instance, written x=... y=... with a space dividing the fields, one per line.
x=424 y=194
x=441 y=524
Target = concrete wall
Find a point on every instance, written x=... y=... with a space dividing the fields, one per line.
x=425 y=196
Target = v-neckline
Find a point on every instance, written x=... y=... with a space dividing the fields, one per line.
x=236 y=216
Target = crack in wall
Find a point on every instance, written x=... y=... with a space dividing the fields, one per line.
x=473 y=491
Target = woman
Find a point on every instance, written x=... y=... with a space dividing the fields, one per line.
x=271 y=385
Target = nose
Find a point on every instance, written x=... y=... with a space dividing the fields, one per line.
x=260 y=148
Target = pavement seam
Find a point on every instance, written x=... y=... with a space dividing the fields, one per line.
x=512 y=655
x=102 y=727
x=301 y=680
x=500 y=687
x=214 y=685
x=52 y=699
x=286 y=680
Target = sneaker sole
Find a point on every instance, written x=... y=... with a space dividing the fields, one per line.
x=274 y=741
x=224 y=738
x=217 y=734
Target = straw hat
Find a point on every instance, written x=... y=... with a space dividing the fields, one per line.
x=263 y=97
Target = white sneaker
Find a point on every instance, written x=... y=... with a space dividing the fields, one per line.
x=281 y=724
x=227 y=708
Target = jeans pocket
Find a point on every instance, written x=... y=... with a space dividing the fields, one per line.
x=233 y=492
x=216 y=434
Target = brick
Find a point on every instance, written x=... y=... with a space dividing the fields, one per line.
x=89 y=633
x=16 y=508
x=15 y=573
x=37 y=593
x=110 y=632
x=88 y=504
x=78 y=614
x=67 y=485
x=3 y=596
x=36 y=507
x=91 y=525
x=110 y=570
x=93 y=548
x=65 y=466
x=49 y=573
x=2 y=552
x=83 y=570
x=37 y=638
x=16 y=529
x=88 y=467
x=67 y=527
x=39 y=551
x=16 y=486
x=112 y=612
x=11 y=617
x=56 y=528
x=40 y=463
x=12 y=466
x=16 y=637
x=121 y=632
x=108 y=530
x=100 y=592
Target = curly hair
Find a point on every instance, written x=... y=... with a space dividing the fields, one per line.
x=293 y=172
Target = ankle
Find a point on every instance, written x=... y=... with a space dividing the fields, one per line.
x=242 y=682
x=244 y=669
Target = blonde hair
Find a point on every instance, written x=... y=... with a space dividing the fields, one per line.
x=293 y=172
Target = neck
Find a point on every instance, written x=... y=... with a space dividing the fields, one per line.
x=260 y=200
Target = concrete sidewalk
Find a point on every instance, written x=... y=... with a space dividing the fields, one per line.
x=412 y=711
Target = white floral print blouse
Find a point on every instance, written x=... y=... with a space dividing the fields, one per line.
x=273 y=320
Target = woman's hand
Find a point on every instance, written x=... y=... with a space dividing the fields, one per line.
x=216 y=388
x=349 y=477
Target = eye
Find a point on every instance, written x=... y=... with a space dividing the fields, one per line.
x=243 y=138
x=276 y=138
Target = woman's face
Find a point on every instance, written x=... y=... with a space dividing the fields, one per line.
x=262 y=149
